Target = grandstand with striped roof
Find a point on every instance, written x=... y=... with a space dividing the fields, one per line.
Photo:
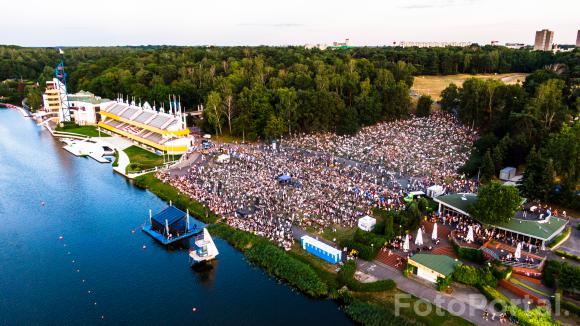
x=149 y=128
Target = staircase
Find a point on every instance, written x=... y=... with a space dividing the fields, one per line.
x=489 y=254
x=447 y=250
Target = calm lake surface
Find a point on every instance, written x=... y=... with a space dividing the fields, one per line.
x=99 y=273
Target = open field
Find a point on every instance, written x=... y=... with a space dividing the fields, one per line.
x=434 y=85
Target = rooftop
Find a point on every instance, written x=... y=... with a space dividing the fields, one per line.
x=535 y=229
x=458 y=201
x=442 y=264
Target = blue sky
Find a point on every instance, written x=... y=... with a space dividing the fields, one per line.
x=296 y=22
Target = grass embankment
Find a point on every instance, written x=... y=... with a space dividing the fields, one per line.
x=90 y=131
x=561 y=238
x=366 y=303
x=169 y=193
x=142 y=159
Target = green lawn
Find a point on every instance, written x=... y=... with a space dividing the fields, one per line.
x=90 y=131
x=144 y=158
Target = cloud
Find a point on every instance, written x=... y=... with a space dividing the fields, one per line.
x=423 y=4
x=277 y=25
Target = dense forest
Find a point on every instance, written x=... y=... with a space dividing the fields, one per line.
x=264 y=92
x=267 y=92
x=533 y=125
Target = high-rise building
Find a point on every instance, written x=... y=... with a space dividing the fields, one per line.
x=578 y=39
x=544 y=40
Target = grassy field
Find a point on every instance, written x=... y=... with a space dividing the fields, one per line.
x=434 y=85
x=90 y=131
x=146 y=159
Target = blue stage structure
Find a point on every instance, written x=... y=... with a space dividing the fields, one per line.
x=171 y=225
x=321 y=249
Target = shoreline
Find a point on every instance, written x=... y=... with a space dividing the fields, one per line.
x=362 y=307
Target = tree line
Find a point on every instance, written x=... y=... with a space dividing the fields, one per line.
x=534 y=124
x=266 y=92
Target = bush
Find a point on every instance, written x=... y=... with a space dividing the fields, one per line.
x=532 y=317
x=134 y=167
x=473 y=276
x=365 y=252
x=443 y=283
x=501 y=272
x=365 y=313
x=473 y=255
x=561 y=275
x=560 y=238
x=346 y=277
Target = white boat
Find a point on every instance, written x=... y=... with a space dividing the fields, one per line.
x=204 y=248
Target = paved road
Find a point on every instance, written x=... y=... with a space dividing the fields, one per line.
x=465 y=302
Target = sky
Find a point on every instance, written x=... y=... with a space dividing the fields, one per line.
x=274 y=22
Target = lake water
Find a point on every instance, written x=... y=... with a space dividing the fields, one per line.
x=99 y=273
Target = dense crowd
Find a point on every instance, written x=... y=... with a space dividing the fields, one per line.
x=322 y=187
x=432 y=148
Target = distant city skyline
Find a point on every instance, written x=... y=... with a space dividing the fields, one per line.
x=260 y=22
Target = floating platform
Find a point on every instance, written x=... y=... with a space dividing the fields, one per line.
x=172 y=225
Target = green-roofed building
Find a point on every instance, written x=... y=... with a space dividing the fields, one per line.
x=542 y=230
x=86 y=107
x=431 y=266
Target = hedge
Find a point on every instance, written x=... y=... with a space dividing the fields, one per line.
x=473 y=276
x=568 y=255
x=531 y=317
x=346 y=277
x=365 y=313
x=567 y=305
x=365 y=252
x=473 y=255
x=556 y=241
x=275 y=261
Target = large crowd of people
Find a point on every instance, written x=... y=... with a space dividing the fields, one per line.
x=329 y=180
x=430 y=148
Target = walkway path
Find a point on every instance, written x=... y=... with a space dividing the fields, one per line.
x=119 y=144
x=455 y=303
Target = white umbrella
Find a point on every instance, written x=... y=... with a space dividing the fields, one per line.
x=518 y=253
x=434 y=235
x=470 y=234
x=406 y=244
x=419 y=239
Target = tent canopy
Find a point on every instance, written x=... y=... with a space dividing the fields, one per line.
x=284 y=177
x=367 y=223
x=171 y=213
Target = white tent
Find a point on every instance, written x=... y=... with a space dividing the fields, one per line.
x=518 y=253
x=435 y=191
x=406 y=244
x=367 y=223
x=434 y=235
x=470 y=234
x=419 y=238
x=223 y=158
